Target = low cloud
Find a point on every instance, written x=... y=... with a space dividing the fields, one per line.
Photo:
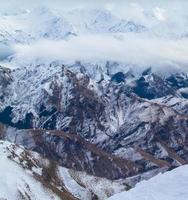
x=131 y=49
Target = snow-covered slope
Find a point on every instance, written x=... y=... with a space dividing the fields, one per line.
x=16 y=182
x=27 y=175
x=168 y=186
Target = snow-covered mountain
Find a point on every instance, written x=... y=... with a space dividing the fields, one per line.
x=87 y=129
x=43 y=23
x=32 y=25
x=143 y=125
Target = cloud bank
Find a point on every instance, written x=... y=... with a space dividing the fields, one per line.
x=130 y=49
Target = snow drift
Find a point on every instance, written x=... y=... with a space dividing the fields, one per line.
x=170 y=185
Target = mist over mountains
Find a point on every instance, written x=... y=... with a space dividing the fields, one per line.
x=154 y=35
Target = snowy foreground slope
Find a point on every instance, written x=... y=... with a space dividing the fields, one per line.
x=26 y=175
x=168 y=186
x=16 y=183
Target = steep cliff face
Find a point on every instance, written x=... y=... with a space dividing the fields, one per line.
x=127 y=132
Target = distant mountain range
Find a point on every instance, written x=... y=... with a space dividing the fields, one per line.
x=43 y=23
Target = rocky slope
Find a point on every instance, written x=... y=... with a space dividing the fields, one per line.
x=71 y=151
x=27 y=175
x=105 y=117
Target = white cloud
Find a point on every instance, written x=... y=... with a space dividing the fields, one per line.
x=160 y=13
x=131 y=49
